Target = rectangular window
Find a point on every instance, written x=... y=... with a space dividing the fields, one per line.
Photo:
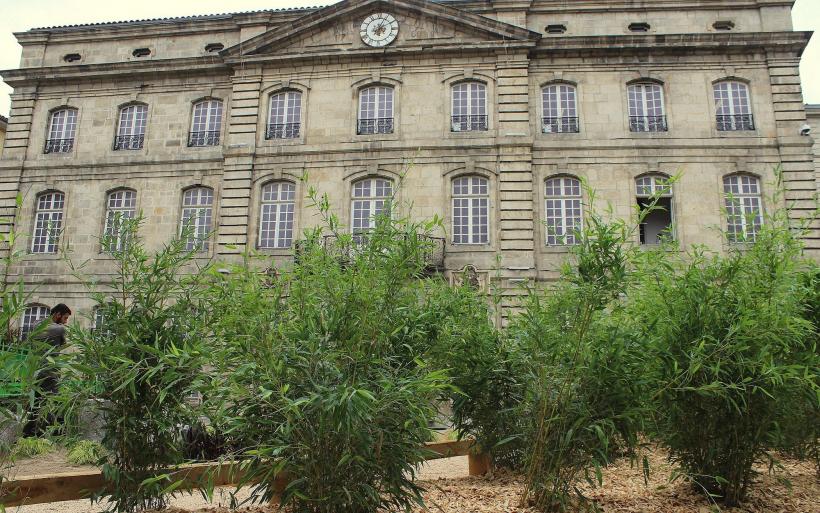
x=471 y=210
x=48 y=223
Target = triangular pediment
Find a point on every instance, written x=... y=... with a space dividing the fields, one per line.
x=421 y=24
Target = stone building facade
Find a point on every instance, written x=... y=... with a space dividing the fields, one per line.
x=502 y=106
x=813 y=115
x=3 y=124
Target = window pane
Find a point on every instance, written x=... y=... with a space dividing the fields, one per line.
x=48 y=223
x=743 y=204
x=471 y=211
x=276 y=215
x=197 y=215
x=371 y=197
x=122 y=207
x=562 y=209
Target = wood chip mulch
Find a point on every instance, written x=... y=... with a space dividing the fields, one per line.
x=623 y=491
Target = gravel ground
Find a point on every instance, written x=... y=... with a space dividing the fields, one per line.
x=451 y=490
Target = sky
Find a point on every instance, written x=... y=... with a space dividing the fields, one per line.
x=21 y=15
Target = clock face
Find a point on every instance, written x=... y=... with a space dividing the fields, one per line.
x=379 y=29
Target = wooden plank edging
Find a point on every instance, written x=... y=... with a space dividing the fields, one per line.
x=40 y=489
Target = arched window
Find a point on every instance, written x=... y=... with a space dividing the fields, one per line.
x=206 y=123
x=121 y=206
x=656 y=224
x=371 y=198
x=732 y=106
x=48 y=222
x=744 y=207
x=197 y=216
x=276 y=215
x=375 y=110
x=33 y=315
x=471 y=210
x=61 y=130
x=646 y=110
x=131 y=127
x=560 y=109
x=285 y=115
x=469 y=107
x=563 y=210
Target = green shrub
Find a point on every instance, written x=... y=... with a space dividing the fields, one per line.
x=324 y=366
x=487 y=375
x=737 y=360
x=587 y=370
x=141 y=364
x=31 y=447
x=86 y=452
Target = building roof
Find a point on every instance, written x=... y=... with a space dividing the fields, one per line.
x=200 y=17
x=174 y=19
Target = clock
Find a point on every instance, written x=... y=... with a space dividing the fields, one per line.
x=379 y=29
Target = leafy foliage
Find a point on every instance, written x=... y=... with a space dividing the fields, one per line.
x=31 y=447
x=141 y=366
x=324 y=378
x=737 y=359
x=85 y=452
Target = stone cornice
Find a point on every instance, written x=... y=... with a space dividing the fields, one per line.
x=563 y=6
x=662 y=44
x=795 y=41
x=28 y=76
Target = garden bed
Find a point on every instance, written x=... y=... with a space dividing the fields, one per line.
x=450 y=490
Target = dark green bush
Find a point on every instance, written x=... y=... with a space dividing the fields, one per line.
x=325 y=378
x=737 y=360
x=141 y=364
x=587 y=370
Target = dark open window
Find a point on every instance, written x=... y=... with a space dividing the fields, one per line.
x=556 y=29
x=639 y=27
x=724 y=25
x=214 y=47
x=141 y=52
x=72 y=57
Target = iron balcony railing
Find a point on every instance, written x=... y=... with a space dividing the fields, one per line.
x=208 y=138
x=470 y=123
x=345 y=248
x=59 y=146
x=560 y=125
x=129 y=142
x=735 y=122
x=375 y=126
x=648 y=124
x=282 y=131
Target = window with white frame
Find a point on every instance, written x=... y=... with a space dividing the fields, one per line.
x=375 y=110
x=276 y=215
x=654 y=197
x=121 y=206
x=197 y=216
x=469 y=107
x=471 y=210
x=563 y=210
x=732 y=106
x=370 y=198
x=744 y=207
x=206 y=123
x=62 y=128
x=131 y=127
x=559 y=109
x=646 y=110
x=285 y=115
x=33 y=315
x=48 y=222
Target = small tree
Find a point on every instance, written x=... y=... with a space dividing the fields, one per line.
x=141 y=363
x=737 y=360
x=325 y=382
x=588 y=380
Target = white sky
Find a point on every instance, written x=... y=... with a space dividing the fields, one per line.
x=21 y=15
